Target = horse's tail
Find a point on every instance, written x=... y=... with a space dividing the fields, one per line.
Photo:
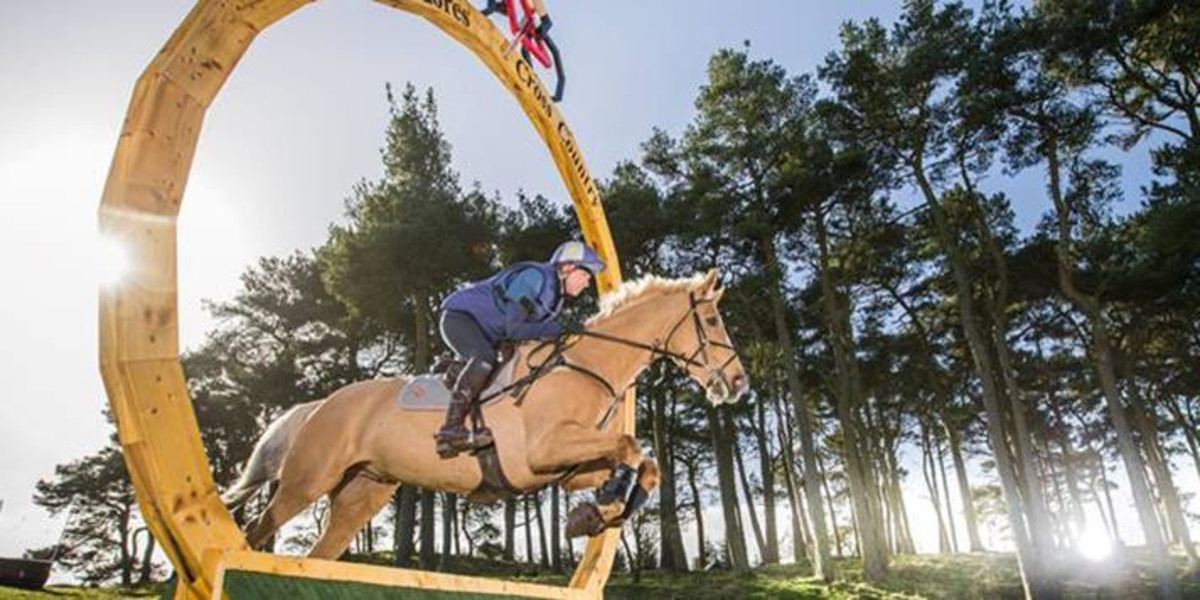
x=267 y=458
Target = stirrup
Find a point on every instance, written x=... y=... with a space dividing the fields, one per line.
x=476 y=441
x=481 y=439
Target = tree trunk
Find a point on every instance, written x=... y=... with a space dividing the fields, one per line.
x=748 y=492
x=456 y=527
x=1112 y=535
x=125 y=555
x=904 y=540
x=1159 y=463
x=1188 y=426
x=428 y=557
x=570 y=549
x=147 y=568
x=543 y=547
x=1102 y=356
x=824 y=485
x=1070 y=468
x=964 y=487
x=941 y=463
x=996 y=302
x=823 y=568
x=697 y=505
x=1038 y=585
x=672 y=556
x=555 y=532
x=800 y=538
x=770 y=555
x=630 y=562
x=931 y=485
x=849 y=397
x=1112 y=511
x=406 y=521
x=510 y=529
x=725 y=443
x=449 y=508
x=1036 y=507
x=528 y=526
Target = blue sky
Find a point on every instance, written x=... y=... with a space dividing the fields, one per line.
x=299 y=122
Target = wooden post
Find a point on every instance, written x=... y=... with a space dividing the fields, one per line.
x=139 y=346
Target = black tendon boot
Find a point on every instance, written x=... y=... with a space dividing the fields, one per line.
x=454 y=436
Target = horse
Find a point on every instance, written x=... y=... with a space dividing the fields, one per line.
x=359 y=444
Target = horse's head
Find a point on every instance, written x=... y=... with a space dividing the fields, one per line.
x=700 y=343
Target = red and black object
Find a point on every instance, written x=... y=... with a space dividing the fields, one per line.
x=532 y=32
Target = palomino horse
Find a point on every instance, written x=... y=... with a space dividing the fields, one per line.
x=358 y=445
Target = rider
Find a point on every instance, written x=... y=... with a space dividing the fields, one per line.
x=521 y=302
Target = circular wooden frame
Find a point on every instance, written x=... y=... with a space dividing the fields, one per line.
x=139 y=339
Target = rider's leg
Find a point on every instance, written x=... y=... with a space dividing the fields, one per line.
x=454 y=436
x=463 y=335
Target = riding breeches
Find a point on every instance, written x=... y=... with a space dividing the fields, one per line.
x=465 y=337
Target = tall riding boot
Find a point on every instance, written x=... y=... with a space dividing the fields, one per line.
x=454 y=436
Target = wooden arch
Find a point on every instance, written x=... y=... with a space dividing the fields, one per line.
x=139 y=345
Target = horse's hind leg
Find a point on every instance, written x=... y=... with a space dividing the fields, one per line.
x=298 y=488
x=350 y=506
x=284 y=505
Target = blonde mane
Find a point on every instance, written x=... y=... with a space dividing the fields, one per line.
x=639 y=289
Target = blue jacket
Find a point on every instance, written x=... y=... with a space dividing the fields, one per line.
x=521 y=302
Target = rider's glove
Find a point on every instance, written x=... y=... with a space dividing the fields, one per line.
x=572 y=328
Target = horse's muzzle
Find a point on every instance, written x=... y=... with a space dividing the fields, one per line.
x=721 y=390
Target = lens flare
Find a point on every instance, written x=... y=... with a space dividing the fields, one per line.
x=1094 y=545
x=112 y=260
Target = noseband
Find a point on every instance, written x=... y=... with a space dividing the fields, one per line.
x=659 y=349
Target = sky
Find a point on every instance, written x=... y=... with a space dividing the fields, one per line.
x=300 y=121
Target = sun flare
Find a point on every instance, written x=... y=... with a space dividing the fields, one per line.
x=1094 y=545
x=112 y=260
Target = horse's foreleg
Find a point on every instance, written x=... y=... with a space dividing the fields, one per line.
x=647 y=481
x=570 y=446
x=350 y=508
x=574 y=446
x=587 y=477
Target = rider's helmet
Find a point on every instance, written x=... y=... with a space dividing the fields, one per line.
x=577 y=253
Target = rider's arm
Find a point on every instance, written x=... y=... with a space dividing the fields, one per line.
x=533 y=331
x=523 y=315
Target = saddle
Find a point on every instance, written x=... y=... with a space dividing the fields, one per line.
x=431 y=392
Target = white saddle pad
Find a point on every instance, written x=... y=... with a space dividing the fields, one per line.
x=427 y=392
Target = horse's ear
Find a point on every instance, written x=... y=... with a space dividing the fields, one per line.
x=710 y=282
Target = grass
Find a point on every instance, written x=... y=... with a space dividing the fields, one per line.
x=77 y=593
x=926 y=577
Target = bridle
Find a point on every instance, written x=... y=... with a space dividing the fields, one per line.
x=660 y=349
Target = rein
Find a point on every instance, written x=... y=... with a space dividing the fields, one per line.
x=521 y=386
x=658 y=349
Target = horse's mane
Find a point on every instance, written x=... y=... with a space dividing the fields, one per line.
x=639 y=289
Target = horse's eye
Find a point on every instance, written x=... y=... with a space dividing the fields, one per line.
x=712 y=321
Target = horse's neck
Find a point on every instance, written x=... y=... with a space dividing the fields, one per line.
x=644 y=321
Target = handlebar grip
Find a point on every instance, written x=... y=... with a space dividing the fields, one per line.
x=559 y=71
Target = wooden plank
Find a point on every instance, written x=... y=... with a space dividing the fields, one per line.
x=139 y=347
x=326 y=570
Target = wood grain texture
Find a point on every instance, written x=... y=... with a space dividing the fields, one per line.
x=138 y=320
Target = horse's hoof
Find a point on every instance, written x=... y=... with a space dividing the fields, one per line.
x=584 y=519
